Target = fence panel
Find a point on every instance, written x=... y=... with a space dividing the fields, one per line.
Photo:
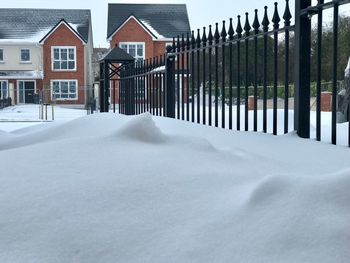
x=255 y=77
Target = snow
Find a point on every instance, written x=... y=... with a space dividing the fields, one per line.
x=75 y=26
x=112 y=188
x=23 y=116
x=35 y=38
x=158 y=69
x=347 y=70
x=152 y=29
x=31 y=74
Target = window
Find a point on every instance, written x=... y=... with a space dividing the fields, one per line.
x=25 y=55
x=137 y=50
x=3 y=90
x=63 y=58
x=64 y=89
x=1 y=55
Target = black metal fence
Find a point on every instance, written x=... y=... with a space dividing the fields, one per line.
x=252 y=76
x=5 y=103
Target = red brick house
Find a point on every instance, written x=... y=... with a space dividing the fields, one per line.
x=48 y=52
x=144 y=30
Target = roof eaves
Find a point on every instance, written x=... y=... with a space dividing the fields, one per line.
x=68 y=25
x=125 y=21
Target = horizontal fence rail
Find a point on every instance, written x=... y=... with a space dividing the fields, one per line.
x=252 y=76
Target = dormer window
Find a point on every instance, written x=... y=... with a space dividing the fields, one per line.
x=63 y=58
x=25 y=55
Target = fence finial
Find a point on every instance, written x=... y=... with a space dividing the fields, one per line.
x=188 y=41
x=239 y=29
x=198 y=41
x=231 y=31
x=223 y=32
x=276 y=18
x=256 y=24
x=217 y=35
x=210 y=36
x=287 y=15
x=265 y=21
x=193 y=40
x=247 y=26
x=204 y=38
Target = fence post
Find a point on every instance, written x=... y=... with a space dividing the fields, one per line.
x=170 y=83
x=302 y=69
x=106 y=87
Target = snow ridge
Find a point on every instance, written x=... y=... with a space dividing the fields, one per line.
x=142 y=128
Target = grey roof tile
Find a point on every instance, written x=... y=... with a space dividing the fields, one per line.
x=168 y=20
x=18 y=23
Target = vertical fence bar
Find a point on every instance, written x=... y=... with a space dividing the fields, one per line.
x=265 y=24
x=198 y=41
x=170 y=82
x=147 y=77
x=178 y=77
x=193 y=46
x=136 y=87
x=231 y=33
x=183 y=47
x=302 y=69
x=210 y=51
x=256 y=26
x=188 y=47
x=276 y=19
x=335 y=77
x=217 y=38
x=223 y=97
x=204 y=44
x=246 y=93
x=152 y=86
x=144 y=85
x=156 y=95
x=239 y=31
x=286 y=16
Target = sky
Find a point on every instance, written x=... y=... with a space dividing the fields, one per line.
x=201 y=12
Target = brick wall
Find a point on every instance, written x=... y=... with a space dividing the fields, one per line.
x=63 y=36
x=132 y=31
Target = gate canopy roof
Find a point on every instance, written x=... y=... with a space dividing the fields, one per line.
x=117 y=55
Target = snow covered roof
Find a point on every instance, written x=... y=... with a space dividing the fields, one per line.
x=162 y=20
x=31 y=25
x=35 y=74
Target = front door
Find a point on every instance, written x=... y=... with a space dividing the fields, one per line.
x=26 y=91
x=29 y=92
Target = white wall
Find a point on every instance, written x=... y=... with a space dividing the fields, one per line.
x=12 y=57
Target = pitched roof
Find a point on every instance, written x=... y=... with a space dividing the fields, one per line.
x=167 y=20
x=118 y=55
x=33 y=24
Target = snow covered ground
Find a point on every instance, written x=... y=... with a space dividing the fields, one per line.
x=22 y=116
x=111 y=188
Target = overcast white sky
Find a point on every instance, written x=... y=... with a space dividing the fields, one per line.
x=201 y=12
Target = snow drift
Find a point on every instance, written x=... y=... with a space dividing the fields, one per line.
x=110 y=188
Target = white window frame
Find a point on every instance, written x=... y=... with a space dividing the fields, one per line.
x=135 y=43
x=8 y=89
x=64 y=47
x=30 y=56
x=2 y=60
x=65 y=80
